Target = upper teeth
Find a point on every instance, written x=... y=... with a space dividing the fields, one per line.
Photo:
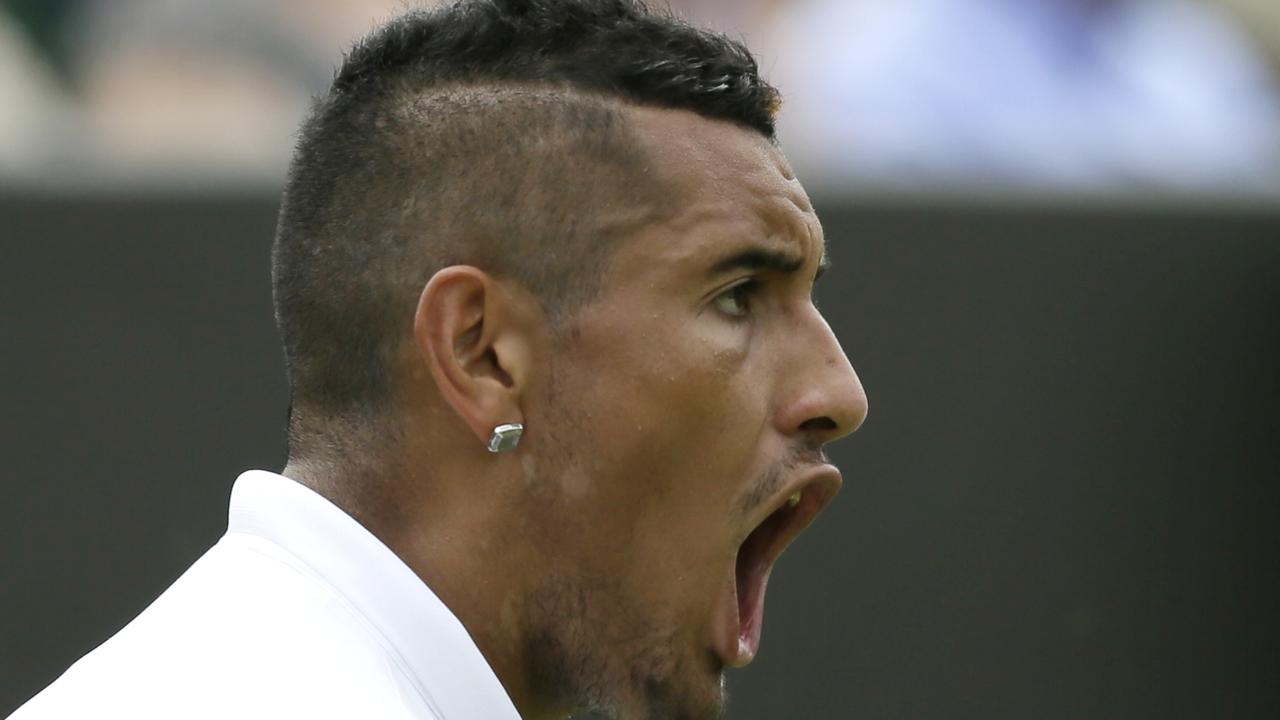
x=794 y=500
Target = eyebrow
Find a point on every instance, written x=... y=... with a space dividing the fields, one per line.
x=761 y=258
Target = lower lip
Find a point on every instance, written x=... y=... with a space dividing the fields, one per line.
x=737 y=639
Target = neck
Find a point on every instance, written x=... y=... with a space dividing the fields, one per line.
x=475 y=556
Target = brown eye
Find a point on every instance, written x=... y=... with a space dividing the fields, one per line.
x=736 y=301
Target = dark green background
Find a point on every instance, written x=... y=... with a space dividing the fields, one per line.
x=1063 y=504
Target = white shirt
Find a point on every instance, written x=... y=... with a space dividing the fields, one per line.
x=297 y=612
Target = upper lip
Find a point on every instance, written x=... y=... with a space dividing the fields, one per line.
x=817 y=485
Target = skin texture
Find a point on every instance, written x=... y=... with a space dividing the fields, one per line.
x=593 y=564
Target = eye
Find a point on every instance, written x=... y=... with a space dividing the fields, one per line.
x=736 y=301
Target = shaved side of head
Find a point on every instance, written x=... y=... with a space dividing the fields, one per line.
x=492 y=133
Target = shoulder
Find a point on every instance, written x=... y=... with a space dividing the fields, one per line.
x=246 y=632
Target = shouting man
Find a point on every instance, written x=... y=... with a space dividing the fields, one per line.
x=559 y=390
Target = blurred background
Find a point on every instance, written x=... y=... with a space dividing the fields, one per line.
x=1056 y=234
x=1065 y=95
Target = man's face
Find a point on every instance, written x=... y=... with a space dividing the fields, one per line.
x=687 y=406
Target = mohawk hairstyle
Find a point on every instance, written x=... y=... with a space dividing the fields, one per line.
x=486 y=132
x=615 y=47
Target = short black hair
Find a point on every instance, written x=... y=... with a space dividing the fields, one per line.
x=485 y=132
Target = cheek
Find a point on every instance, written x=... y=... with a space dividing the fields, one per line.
x=668 y=431
x=685 y=388
x=677 y=420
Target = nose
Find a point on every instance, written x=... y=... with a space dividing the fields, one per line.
x=823 y=399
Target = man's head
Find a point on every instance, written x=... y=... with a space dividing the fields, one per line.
x=568 y=214
x=491 y=133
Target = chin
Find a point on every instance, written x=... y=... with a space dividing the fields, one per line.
x=686 y=696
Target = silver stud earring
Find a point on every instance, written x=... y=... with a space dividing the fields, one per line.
x=505 y=437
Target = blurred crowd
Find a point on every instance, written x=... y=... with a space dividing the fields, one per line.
x=1056 y=95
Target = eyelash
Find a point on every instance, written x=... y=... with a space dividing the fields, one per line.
x=744 y=292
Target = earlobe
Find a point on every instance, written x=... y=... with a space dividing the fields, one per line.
x=469 y=334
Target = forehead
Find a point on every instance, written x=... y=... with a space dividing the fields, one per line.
x=725 y=185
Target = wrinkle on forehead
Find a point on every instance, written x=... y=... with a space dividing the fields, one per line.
x=714 y=170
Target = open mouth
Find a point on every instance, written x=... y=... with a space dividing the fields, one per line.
x=791 y=512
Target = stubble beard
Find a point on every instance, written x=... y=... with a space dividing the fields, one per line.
x=578 y=656
x=591 y=645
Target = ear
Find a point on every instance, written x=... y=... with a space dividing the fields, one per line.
x=476 y=336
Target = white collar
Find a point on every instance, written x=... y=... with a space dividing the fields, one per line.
x=444 y=661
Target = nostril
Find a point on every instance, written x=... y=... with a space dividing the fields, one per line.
x=819 y=424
